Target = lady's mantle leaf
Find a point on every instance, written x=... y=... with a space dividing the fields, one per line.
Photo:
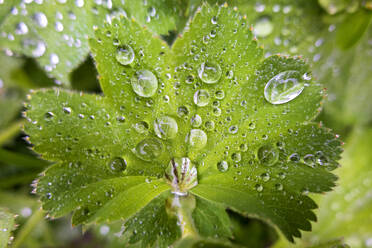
x=6 y=226
x=208 y=109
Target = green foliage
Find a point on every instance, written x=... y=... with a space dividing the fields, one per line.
x=257 y=157
x=6 y=226
x=56 y=33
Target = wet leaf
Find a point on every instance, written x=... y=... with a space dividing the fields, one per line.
x=209 y=114
x=6 y=226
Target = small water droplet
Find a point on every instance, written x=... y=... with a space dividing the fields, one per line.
x=294 y=157
x=141 y=127
x=54 y=59
x=263 y=26
x=118 y=164
x=125 y=55
x=268 y=155
x=67 y=110
x=209 y=72
x=201 y=98
x=182 y=111
x=220 y=94
x=41 y=19
x=149 y=149
x=223 y=166
x=197 y=138
x=265 y=177
x=258 y=187
x=21 y=28
x=236 y=157
x=209 y=125
x=214 y=20
x=196 y=121
x=310 y=160
x=49 y=116
x=279 y=186
x=233 y=129
x=284 y=87
x=144 y=83
x=165 y=127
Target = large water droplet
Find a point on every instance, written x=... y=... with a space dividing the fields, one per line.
x=149 y=149
x=125 y=55
x=144 y=83
x=209 y=72
x=263 y=27
x=284 y=87
x=197 y=138
x=223 y=166
x=165 y=127
x=268 y=155
x=117 y=164
x=201 y=98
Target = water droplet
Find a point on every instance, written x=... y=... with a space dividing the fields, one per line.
x=197 y=138
x=149 y=149
x=265 y=177
x=79 y=3
x=141 y=127
x=263 y=27
x=236 y=157
x=54 y=59
x=201 y=98
x=165 y=127
x=310 y=160
x=67 y=110
x=58 y=26
x=217 y=111
x=144 y=83
x=233 y=129
x=196 y=121
x=214 y=20
x=41 y=19
x=220 y=94
x=49 y=116
x=209 y=125
x=279 y=186
x=118 y=164
x=182 y=111
x=284 y=87
x=252 y=125
x=209 y=72
x=294 y=157
x=125 y=55
x=38 y=49
x=268 y=155
x=223 y=166
x=21 y=28
x=243 y=147
x=189 y=79
x=258 y=187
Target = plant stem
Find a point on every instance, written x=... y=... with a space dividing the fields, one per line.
x=28 y=227
x=184 y=208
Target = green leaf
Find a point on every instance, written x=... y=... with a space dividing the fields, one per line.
x=346 y=211
x=6 y=226
x=354 y=26
x=203 y=112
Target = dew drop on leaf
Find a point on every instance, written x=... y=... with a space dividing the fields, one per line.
x=310 y=160
x=258 y=187
x=283 y=87
x=268 y=155
x=265 y=177
x=233 y=129
x=236 y=157
x=294 y=157
x=263 y=27
x=144 y=83
x=182 y=111
x=196 y=121
x=67 y=110
x=117 y=164
x=165 y=127
x=209 y=72
x=223 y=166
x=148 y=149
x=141 y=127
x=220 y=94
x=41 y=20
x=201 y=98
x=125 y=55
x=197 y=138
x=21 y=28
